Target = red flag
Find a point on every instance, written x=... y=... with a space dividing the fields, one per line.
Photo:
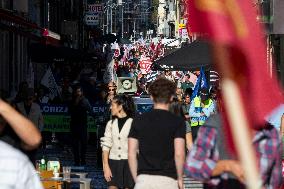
x=233 y=23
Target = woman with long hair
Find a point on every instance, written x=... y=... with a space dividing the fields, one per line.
x=176 y=108
x=115 y=143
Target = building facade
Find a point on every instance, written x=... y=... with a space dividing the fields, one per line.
x=34 y=34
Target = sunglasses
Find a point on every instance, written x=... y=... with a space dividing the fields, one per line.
x=111 y=90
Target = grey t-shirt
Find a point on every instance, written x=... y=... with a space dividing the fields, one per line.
x=188 y=127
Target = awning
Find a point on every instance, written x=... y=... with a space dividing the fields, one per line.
x=42 y=53
x=17 y=24
x=190 y=57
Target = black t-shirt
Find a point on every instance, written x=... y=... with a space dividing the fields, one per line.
x=121 y=122
x=78 y=113
x=156 y=131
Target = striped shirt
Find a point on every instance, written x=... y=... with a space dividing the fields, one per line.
x=16 y=171
x=204 y=156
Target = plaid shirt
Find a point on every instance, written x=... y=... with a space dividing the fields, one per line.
x=203 y=157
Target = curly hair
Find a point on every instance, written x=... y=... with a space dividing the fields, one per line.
x=162 y=90
x=126 y=102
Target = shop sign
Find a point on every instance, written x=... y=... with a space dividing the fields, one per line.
x=94 y=8
x=92 y=19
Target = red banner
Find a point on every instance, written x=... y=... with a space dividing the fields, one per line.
x=233 y=24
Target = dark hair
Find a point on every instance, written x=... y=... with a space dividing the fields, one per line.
x=126 y=102
x=74 y=92
x=162 y=90
x=204 y=91
x=188 y=91
x=76 y=87
x=176 y=108
x=213 y=90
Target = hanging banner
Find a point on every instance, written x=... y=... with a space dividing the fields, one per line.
x=57 y=118
x=92 y=19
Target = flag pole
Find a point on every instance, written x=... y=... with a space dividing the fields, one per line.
x=237 y=118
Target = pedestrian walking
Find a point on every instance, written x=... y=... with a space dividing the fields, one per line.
x=115 y=143
x=32 y=111
x=201 y=107
x=79 y=110
x=156 y=144
x=177 y=109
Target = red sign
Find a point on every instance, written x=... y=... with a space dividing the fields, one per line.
x=94 y=8
x=145 y=65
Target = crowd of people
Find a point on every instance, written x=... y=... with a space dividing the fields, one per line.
x=138 y=151
x=157 y=146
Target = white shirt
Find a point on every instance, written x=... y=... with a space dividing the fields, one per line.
x=116 y=142
x=16 y=171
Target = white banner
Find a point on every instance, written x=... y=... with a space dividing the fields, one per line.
x=110 y=74
x=49 y=82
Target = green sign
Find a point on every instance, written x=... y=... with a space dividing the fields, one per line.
x=57 y=119
x=61 y=123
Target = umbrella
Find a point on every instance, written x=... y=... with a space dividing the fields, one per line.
x=192 y=56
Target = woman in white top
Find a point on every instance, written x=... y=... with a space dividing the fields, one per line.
x=115 y=143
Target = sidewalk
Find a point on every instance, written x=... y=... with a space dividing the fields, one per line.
x=65 y=156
